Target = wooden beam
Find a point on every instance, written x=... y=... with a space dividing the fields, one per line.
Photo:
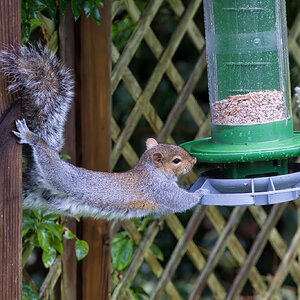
x=95 y=69
x=10 y=167
x=68 y=283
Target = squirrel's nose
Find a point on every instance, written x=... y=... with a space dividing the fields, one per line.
x=195 y=159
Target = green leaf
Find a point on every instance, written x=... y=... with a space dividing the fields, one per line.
x=157 y=252
x=48 y=257
x=69 y=235
x=137 y=221
x=65 y=157
x=88 y=7
x=77 y=6
x=119 y=236
x=95 y=14
x=139 y=293
x=25 y=32
x=50 y=216
x=29 y=222
x=34 y=240
x=57 y=244
x=139 y=290
x=28 y=293
x=121 y=252
x=36 y=5
x=28 y=215
x=28 y=226
x=76 y=218
x=35 y=22
x=37 y=214
x=53 y=228
x=44 y=238
x=99 y=3
x=81 y=249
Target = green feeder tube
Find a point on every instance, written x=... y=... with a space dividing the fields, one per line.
x=249 y=89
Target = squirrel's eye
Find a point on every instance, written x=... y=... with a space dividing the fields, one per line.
x=176 y=160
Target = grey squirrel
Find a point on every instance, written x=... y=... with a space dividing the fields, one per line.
x=45 y=87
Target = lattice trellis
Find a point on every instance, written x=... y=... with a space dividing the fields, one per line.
x=186 y=247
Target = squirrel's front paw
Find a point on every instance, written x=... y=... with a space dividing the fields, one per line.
x=201 y=192
x=23 y=133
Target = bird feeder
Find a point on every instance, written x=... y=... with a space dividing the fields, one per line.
x=252 y=134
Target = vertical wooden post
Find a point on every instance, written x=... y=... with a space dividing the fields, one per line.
x=95 y=121
x=68 y=281
x=10 y=167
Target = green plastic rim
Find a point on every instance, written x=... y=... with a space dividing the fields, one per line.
x=205 y=150
x=279 y=130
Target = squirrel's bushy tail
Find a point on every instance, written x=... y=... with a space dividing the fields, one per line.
x=45 y=87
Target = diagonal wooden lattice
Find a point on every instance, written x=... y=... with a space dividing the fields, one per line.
x=164 y=130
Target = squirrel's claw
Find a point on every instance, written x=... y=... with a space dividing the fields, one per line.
x=23 y=132
x=17 y=134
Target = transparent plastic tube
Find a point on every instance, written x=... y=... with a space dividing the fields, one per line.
x=247 y=59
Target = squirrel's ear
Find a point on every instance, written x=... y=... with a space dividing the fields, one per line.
x=157 y=159
x=151 y=143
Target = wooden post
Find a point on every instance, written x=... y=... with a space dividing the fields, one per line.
x=10 y=167
x=95 y=68
x=67 y=55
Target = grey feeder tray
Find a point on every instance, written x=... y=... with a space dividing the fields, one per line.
x=249 y=191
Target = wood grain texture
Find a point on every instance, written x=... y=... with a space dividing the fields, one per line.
x=68 y=283
x=95 y=68
x=10 y=168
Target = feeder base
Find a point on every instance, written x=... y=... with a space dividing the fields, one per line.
x=249 y=191
x=254 y=169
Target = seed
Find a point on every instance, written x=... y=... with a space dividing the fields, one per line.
x=251 y=108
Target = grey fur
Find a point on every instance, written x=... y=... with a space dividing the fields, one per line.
x=45 y=87
x=77 y=191
x=51 y=183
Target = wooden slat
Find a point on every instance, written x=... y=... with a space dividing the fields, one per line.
x=256 y=250
x=137 y=260
x=217 y=251
x=193 y=31
x=51 y=279
x=68 y=283
x=276 y=240
x=294 y=34
x=151 y=260
x=284 y=266
x=171 y=71
x=95 y=66
x=179 y=252
x=180 y=104
x=134 y=41
x=10 y=167
x=236 y=248
x=196 y=257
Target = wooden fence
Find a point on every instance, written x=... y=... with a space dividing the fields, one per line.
x=205 y=277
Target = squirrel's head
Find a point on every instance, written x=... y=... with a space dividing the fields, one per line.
x=170 y=159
